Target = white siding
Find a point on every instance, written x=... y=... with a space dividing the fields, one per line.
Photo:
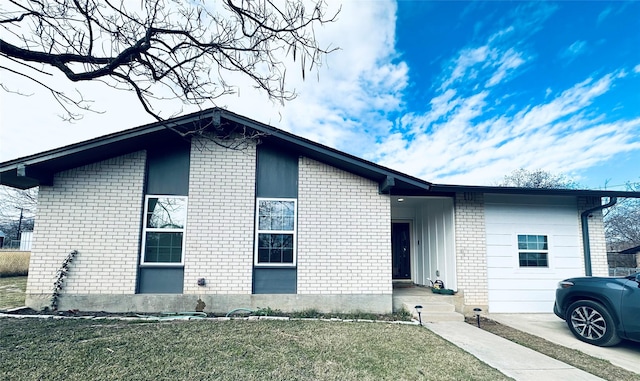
x=516 y=289
x=433 y=243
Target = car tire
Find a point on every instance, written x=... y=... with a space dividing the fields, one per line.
x=590 y=322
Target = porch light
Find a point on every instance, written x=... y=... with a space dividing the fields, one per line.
x=419 y=311
x=400 y=199
x=477 y=312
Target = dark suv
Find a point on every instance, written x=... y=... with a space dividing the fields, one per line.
x=599 y=310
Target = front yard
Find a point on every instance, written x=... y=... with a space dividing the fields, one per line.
x=78 y=349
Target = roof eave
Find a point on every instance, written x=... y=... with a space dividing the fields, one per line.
x=532 y=191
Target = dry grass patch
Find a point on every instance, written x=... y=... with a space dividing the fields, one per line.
x=12 y=292
x=598 y=367
x=14 y=263
x=81 y=349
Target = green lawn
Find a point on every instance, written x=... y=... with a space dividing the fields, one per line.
x=12 y=291
x=36 y=349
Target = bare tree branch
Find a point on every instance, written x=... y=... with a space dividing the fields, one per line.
x=185 y=49
x=538 y=178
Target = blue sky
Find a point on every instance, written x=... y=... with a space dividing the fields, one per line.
x=448 y=91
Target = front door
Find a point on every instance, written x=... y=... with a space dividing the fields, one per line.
x=401 y=250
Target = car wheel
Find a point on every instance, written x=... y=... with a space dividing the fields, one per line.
x=590 y=322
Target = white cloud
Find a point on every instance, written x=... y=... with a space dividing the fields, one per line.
x=357 y=87
x=556 y=135
x=574 y=50
x=356 y=104
x=603 y=15
x=461 y=139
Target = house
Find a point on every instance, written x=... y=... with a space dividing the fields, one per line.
x=169 y=213
x=623 y=262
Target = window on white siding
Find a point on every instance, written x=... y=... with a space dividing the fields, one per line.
x=163 y=232
x=533 y=250
x=276 y=231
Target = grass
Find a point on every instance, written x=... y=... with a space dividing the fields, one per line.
x=14 y=263
x=598 y=367
x=12 y=292
x=78 y=349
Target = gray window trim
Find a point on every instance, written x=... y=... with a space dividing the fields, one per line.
x=146 y=230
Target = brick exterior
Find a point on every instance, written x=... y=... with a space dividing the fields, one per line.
x=96 y=210
x=471 y=248
x=599 y=265
x=220 y=221
x=344 y=238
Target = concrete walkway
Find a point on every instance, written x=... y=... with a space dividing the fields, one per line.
x=550 y=327
x=516 y=361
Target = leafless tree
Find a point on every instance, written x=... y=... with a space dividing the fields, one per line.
x=160 y=49
x=537 y=179
x=622 y=222
x=17 y=210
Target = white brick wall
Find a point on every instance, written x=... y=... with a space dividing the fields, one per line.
x=344 y=238
x=219 y=234
x=599 y=265
x=96 y=210
x=471 y=252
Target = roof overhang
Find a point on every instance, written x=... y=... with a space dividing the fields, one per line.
x=38 y=169
x=444 y=188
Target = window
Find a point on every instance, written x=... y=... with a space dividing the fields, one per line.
x=164 y=223
x=275 y=232
x=533 y=250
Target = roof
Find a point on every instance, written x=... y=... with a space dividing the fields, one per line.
x=631 y=250
x=38 y=169
x=532 y=191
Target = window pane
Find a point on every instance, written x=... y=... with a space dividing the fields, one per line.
x=544 y=243
x=275 y=248
x=163 y=247
x=287 y=256
x=263 y=255
x=276 y=215
x=532 y=242
x=534 y=260
x=166 y=212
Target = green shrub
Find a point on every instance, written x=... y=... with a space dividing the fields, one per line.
x=14 y=263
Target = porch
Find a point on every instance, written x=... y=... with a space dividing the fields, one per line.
x=423 y=240
x=435 y=307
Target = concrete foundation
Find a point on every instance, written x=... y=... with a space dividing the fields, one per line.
x=219 y=304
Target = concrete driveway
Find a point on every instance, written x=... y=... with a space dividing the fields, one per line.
x=548 y=326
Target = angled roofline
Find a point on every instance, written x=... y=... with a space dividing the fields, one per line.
x=324 y=150
x=103 y=140
x=37 y=169
x=631 y=250
x=15 y=172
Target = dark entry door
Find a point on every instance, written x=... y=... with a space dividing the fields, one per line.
x=401 y=250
